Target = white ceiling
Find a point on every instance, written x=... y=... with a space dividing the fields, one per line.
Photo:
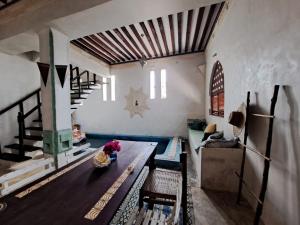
x=111 y=14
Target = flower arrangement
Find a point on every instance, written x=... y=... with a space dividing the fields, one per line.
x=111 y=147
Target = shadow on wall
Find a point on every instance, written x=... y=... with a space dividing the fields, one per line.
x=294 y=138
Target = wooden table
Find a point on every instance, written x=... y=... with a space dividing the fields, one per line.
x=69 y=197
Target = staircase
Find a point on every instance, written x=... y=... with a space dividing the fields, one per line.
x=82 y=84
x=29 y=141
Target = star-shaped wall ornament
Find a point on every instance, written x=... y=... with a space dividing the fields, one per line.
x=136 y=102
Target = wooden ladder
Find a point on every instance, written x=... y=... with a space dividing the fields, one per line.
x=267 y=156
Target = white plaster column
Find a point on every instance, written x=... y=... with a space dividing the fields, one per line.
x=56 y=114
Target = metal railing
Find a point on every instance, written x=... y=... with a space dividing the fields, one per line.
x=22 y=116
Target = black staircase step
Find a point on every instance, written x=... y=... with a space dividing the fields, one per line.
x=75 y=103
x=32 y=137
x=85 y=85
x=13 y=157
x=27 y=148
x=34 y=128
x=84 y=88
x=73 y=108
x=76 y=98
x=37 y=120
x=82 y=93
x=85 y=82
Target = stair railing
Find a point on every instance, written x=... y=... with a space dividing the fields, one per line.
x=76 y=76
x=22 y=116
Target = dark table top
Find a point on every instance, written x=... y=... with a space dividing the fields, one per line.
x=68 y=198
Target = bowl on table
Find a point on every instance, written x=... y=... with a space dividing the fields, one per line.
x=101 y=160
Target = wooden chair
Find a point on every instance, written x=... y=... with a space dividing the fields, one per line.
x=161 y=186
x=156 y=216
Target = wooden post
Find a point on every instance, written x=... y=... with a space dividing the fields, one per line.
x=21 y=134
x=78 y=82
x=21 y=107
x=71 y=77
x=88 y=79
x=94 y=78
x=244 y=151
x=39 y=102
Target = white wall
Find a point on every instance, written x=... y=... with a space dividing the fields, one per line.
x=167 y=117
x=19 y=77
x=88 y=62
x=257 y=42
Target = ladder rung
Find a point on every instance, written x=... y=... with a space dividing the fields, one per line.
x=255 y=151
x=262 y=115
x=248 y=189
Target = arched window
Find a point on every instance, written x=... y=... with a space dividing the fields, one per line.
x=217 y=90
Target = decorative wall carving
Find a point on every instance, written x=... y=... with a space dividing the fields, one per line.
x=136 y=102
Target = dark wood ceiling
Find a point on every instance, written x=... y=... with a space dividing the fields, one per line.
x=175 y=34
x=6 y=3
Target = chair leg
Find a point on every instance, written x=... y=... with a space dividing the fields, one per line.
x=141 y=197
x=150 y=205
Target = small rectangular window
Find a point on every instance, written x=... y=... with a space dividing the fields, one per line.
x=163 y=83
x=104 y=89
x=152 y=84
x=113 y=88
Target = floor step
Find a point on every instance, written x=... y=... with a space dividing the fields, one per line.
x=32 y=137
x=34 y=128
x=27 y=148
x=37 y=120
x=13 y=157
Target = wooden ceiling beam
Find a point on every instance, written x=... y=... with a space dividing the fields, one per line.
x=150 y=22
x=188 y=29
x=120 y=35
x=92 y=40
x=121 y=45
x=84 y=48
x=107 y=47
x=125 y=31
x=138 y=36
x=197 y=29
x=179 y=23
x=101 y=35
x=172 y=32
x=92 y=48
x=144 y=28
x=163 y=34
x=214 y=24
x=207 y=24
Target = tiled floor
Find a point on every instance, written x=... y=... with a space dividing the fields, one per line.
x=217 y=208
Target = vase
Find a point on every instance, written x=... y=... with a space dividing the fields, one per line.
x=113 y=156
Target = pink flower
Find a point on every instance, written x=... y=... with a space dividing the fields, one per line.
x=112 y=146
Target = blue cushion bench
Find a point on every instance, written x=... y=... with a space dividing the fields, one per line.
x=170 y=159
